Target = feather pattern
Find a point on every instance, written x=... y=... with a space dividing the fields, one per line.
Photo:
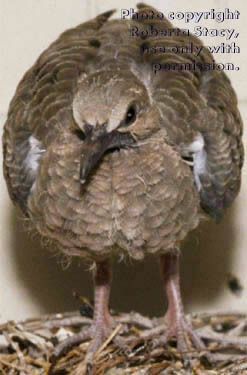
x=138 y=199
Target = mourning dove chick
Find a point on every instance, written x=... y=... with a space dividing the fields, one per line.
x=114 y=148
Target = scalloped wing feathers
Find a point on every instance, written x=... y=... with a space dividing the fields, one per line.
x=185 y=115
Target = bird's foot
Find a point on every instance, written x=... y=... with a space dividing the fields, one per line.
x=182 y=330
x=103 y=329
x=101 y=335
x=176 y=323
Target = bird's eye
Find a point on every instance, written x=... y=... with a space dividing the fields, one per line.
x=130 y=115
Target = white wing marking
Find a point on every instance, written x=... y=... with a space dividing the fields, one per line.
x=31 y=161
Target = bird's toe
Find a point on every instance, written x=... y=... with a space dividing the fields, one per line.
x=183 y=332
x=101 y=335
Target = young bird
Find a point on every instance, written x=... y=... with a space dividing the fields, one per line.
x=106 y=156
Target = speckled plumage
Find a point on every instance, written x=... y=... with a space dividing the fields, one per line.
x=141 y=195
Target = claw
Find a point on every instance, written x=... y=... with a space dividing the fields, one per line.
x=89 y=367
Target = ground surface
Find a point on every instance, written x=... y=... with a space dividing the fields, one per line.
x=28 y=346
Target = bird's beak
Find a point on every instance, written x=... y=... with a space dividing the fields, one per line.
x=94 y=147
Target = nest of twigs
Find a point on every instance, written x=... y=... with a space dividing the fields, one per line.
x=29 y=346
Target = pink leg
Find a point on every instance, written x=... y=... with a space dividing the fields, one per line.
x=102 y=320
x=102 y=323
x=175 y=318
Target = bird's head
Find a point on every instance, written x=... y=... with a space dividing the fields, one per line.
x=112 y=111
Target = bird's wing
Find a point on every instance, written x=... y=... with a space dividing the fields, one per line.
x=198 y=107
x=224 y=151
x=42 y=103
